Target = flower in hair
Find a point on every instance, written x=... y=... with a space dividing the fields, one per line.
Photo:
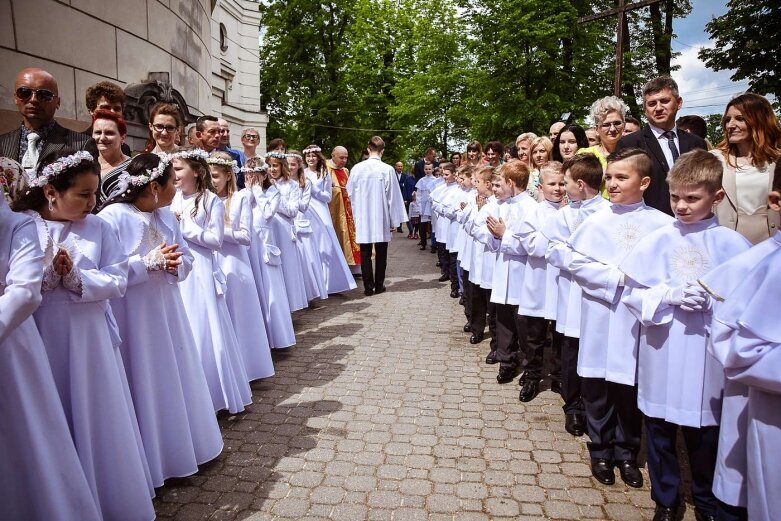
x=308 y=150
x=276 y=155
x=254 y=169
x=297 y=156
x=197 y=153
x=59 y=166
x=224 y=162
x=125 y=180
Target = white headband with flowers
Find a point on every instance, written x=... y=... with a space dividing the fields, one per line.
x=254 y=169
x=57 y=167
x=311 y=149
x=224 y=162
x=296 y=156
x=277 y=155
x=125 y=180
x=197 y=153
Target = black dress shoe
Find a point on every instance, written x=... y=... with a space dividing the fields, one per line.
x=368 y=292
x=529 y=390
x=381 y=289
x=454 y=293
x=491 y=358
x=444 y=278
x=476 y=338
x=663 y=513
x=462 y=301
x=630 y=474
x=555 y=386
x=573 y=424
x=439 y=264
x=507 y=373
x=602 y=470
x=699 y=516
x=422 y=248
x=433 y=251
x=467 y=328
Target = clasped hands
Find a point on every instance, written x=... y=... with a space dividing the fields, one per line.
x=164 y=258
x=496 y=226
x=689 y=297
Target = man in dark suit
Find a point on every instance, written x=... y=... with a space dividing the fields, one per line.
x=661 y=138
x=407 y=186
x=37 y=99
x=429 y=157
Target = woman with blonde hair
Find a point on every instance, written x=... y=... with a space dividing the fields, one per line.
x=609 y=117
x=524 y=145
x=539 y=152
x=749 y=153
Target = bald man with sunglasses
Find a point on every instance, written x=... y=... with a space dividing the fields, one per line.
x=37 y=99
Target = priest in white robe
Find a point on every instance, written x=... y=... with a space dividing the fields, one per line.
x=378 y=209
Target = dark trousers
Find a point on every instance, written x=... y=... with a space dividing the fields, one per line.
x=481 y=305
x=570 y=380
x=434 y=243
x=537 y=336
x=443 y=256
x=725 y=512
x=373 y=278
x=613 y=421
x=511 y=335
x=665 y=472
x=424 y=228
x=453 y=270
x=467 y=295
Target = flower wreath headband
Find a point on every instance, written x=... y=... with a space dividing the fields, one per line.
x=311 y=149
x=297 y=156
x=57 y=167
x=224 y=162
x=277 y=155
x=125 y=180
x=254 y=169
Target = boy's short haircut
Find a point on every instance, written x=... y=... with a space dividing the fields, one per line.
x=450 y=167
x=586 y=168
x=104 y=89
x=640 y=159
x=496 y=146
x=517 y=172
x=466 y=171
x=697 y=168
x=694 y=124
x=551 y=167
x=484 y=173
x=376 y=144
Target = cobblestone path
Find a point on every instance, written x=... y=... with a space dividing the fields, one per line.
x=384 y=411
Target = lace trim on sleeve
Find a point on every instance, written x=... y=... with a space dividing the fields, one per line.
x=51 y=279
x=72 y=281
x=154 y=260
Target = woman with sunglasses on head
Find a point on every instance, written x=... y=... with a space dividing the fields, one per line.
x=165 y=124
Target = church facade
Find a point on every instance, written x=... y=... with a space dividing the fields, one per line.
x=200 y=54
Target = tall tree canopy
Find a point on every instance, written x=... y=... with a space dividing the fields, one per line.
x=748 y=40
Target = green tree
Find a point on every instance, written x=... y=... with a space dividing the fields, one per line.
x=747 y=38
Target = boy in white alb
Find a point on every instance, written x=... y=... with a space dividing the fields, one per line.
x=441 y=201
x=679 y=383
x=423 y=192
x=582 y=179
x=538 y=288
x=463 y=243
x=745 y=480
x=609 y=332
x=509 y=188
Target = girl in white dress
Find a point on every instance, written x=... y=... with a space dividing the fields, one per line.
x=242 y=290
x=40 y=473
x=171 y=398
x=201 y=213
x=307 y=230
x=84 y=267
x=284 y=230
x=265 y=257
x=336 y=272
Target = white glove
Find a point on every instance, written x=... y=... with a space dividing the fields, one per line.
x=154 y=260
x=674 y=296
x=695 y=298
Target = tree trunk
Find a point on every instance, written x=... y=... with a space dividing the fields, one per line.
x=662 y=35
x=628 y=89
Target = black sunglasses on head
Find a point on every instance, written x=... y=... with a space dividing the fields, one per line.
x=25 y=93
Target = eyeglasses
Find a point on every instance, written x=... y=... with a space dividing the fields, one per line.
x=165 y=128
x=607 y=124
x=251 y=136
x=26 y=93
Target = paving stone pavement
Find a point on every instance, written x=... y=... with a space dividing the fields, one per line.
x=384 y=411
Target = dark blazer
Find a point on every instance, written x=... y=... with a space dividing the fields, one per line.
x=59 y=138
x=658 y=195
x=417 y=170
x=407 y=185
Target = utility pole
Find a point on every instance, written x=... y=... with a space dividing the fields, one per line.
x=619 y=10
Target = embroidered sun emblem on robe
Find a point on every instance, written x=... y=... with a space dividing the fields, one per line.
x=627 y=234
x=689 y=262
x=576 y=224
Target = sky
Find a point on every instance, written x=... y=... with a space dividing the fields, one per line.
x=704 y=91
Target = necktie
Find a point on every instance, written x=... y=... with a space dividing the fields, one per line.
x=30 y=159
x=670 y=135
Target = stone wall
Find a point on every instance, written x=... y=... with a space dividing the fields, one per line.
x=82 y=42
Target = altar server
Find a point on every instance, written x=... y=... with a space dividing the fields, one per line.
x=609 y=332
x=679 y=383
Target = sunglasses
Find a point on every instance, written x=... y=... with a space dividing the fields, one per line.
x=168 y=128
x=25 y=93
